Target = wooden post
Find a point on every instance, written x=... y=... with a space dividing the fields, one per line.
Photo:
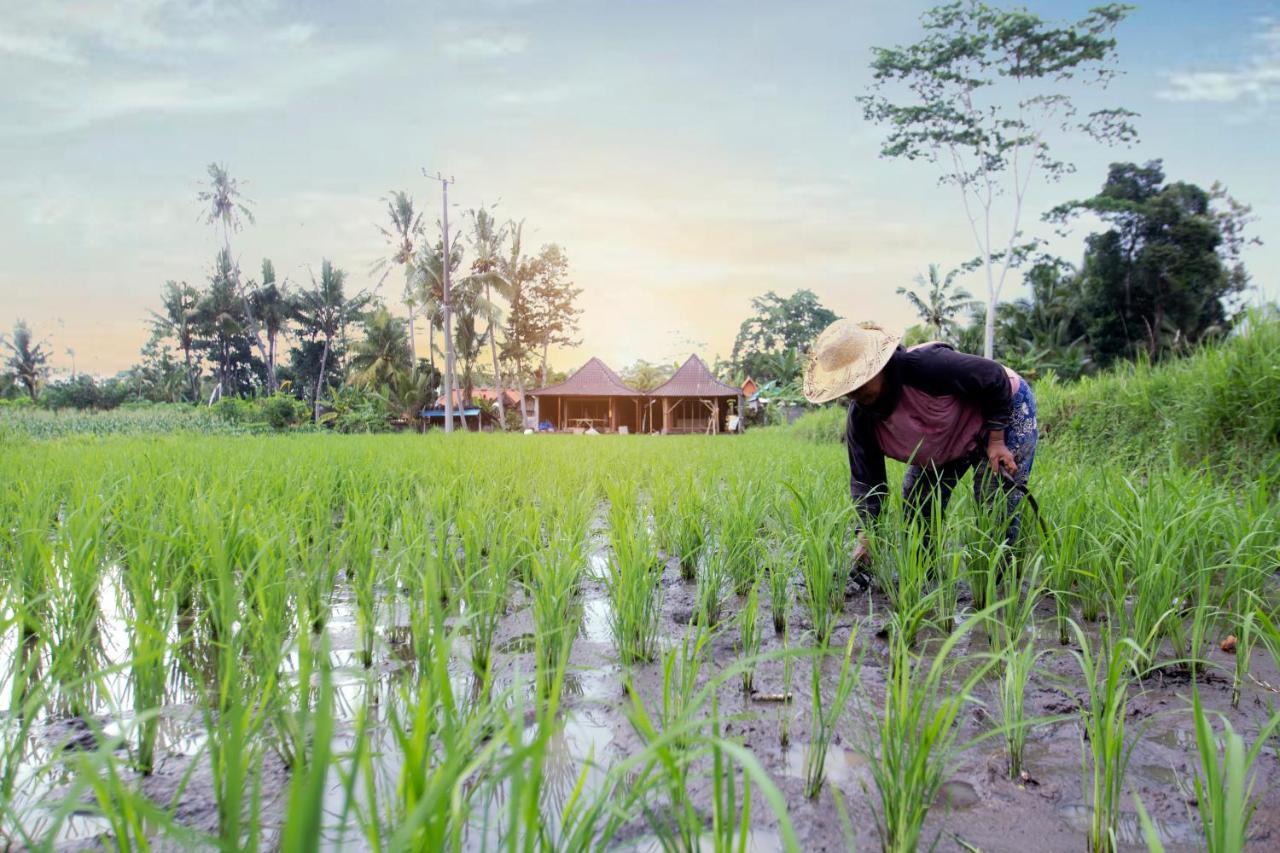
x=717 y=432
x=537 y=414
x=613 y=414
x=559 y=414
x=666 y=411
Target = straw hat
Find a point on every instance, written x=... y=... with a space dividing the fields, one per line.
x=845 y=356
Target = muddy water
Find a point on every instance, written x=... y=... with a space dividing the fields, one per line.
x=978 y=807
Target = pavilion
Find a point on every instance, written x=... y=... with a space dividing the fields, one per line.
x=693 y=400
x=594 y=397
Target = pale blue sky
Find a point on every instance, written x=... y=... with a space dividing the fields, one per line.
x=687 y=156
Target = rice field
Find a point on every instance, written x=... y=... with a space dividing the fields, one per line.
x=498 y=642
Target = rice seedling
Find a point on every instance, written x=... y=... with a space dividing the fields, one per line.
x=824 y=716
x=749 y=637
x=820 y=533
x=553 y=593
x=911 y=745
x=1224 y=787
x=75 y=647
x=632 y=581
x=712 y=581
x=780 y=596
x=1018 y=661
x=688 y=534
x=483 y=590
x=1107 y=745
x=151 y=615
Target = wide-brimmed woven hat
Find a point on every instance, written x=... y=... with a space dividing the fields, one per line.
x=845 y=356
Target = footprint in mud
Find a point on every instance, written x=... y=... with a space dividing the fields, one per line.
x=957 y=795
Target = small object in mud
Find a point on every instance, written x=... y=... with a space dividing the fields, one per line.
x=1229 y=644
x=1028 y=780
x=770 y=697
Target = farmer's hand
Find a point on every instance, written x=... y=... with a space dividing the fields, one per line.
x=861 y=552
x=998 y=456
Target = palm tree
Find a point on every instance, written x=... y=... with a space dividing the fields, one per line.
x=29 y=361
x=225 y=208
x=226 y=205
x=403 y=235
x=430 y=282
x=325 y=310
x=219 y=319
x=272 y=305
x=181 y=303
x=486 y=240
x=940 y=303
x=384 y=351
x=644 y=376
x=514 y=270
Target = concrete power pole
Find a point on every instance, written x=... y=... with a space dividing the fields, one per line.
x=448 y=304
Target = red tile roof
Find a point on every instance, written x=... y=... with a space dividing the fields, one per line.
x=593 y=379
x=694 y=379
x=509 y=397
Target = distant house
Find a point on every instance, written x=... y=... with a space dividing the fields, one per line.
x=693 y=400
x=594 y=397
x=749 y=387
x=475 y=416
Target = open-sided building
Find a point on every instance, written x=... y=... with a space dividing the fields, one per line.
x=594 y=397
x=693 y=400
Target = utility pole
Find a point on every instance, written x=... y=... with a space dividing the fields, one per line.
x=448 y=304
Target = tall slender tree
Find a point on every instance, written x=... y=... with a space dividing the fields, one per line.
x=982 y=95
x=402 y=238
x=181 y=304
x=554 y=299
x=326 y=310
x=383 y=352
x=273 y=305
x=486 y=242
x=28 y=358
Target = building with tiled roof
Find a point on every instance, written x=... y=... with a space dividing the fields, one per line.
x=594 y=397
x=693 y=400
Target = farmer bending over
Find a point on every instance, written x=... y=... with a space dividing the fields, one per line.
x=938 y=410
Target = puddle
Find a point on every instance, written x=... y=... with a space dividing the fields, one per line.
x=843 y=767
x=595 y=621
x=1129 y=829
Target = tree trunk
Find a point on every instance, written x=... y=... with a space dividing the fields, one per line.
x=272 y=384
x=493 y=350
x=324 y=360
x=413 y=345
x=191 y=375
x=544 y=362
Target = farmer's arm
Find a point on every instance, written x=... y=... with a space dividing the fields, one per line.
x=866 y=465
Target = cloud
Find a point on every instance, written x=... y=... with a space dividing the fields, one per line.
x=39 y=47
x=486 y=46
x=71 y=67
x=1257 y=79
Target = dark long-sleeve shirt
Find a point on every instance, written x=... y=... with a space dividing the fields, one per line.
x=937 y=370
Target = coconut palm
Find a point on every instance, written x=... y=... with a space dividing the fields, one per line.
x=273 y=305
x=939 y=302
x=181 y=303
x=486 y=242
x=226 y=204
x=402 y=238
x=27 y=359
x=383 y=352
x=325 y=310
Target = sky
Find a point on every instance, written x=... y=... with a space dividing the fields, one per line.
x=687 y=156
